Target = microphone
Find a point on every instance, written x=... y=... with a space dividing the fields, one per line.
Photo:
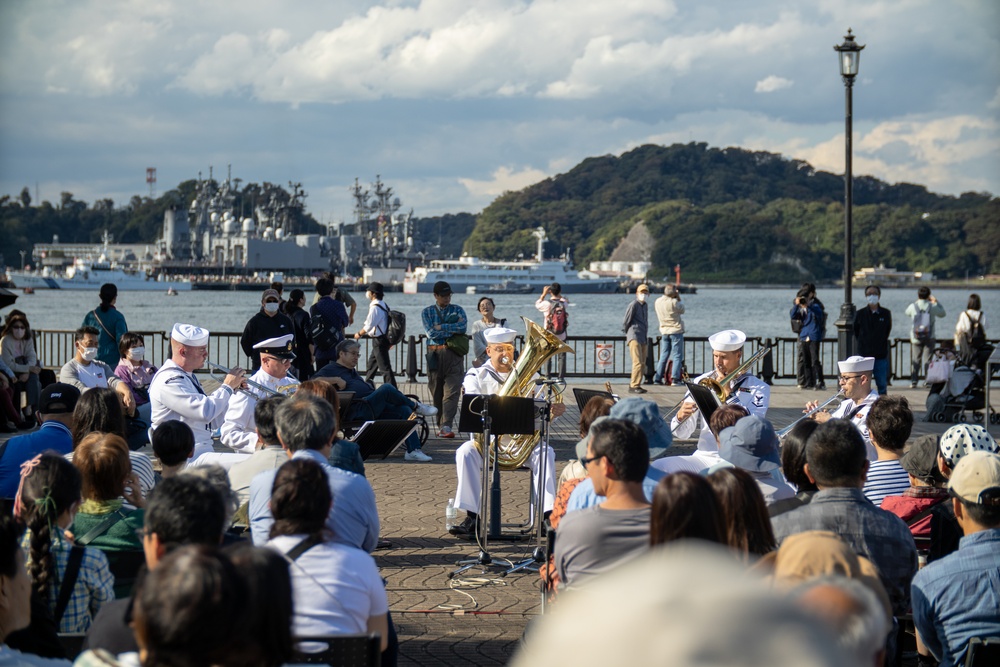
x=549 y=381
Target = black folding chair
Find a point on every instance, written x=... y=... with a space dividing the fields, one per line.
x=339 y=651
x=983 y=652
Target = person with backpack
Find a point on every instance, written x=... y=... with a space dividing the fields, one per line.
x=923 y=311
x=376 y=327
x=970 y=331
x=556 y=318
x=327 y=318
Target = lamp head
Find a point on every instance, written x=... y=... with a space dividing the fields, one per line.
x=849 y=54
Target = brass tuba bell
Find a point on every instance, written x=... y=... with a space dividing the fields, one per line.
x=540 y=345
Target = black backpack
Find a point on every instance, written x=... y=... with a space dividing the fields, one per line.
x=397 y=325
x=325 y=336
x=976 y=337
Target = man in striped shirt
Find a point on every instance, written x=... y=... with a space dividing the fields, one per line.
x=890 y=422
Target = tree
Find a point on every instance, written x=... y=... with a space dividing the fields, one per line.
x=25 y=197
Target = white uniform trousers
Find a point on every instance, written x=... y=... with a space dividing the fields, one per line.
x=469 y=464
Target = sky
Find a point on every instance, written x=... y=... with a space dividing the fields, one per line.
x=454 y=102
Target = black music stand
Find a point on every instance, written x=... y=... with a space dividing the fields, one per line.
x=704 y=398
x=583 y=396
x=492 y=416
x=381 y=438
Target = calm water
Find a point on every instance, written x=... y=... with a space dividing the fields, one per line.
x=759 y=312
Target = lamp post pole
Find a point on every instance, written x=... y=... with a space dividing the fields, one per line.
x=849 y=54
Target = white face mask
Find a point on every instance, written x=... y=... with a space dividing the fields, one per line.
x=271 y=307
x=89 y=353
x=641 y=297
x=137 y=353
x=872 y=299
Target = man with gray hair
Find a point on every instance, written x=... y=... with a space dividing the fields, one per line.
x=307 y=427
x=851 y=611
x=386 y=402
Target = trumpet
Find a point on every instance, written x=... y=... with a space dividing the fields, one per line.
x=212 y=368
x=721 y=387
x=839 y=396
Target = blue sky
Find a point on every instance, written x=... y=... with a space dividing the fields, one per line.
x=455 y=101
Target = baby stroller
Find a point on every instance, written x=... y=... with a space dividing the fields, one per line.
x=963 y=391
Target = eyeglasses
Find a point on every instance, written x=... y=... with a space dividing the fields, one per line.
x=283 y=362
x=586 y=460
x=845 y=378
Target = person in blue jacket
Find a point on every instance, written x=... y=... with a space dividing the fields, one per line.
x=55 y=411
x=810 y=314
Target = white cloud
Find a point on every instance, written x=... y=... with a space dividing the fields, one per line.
x=504 y=179
x=771 y=84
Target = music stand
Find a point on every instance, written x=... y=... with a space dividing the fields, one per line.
x=583 y=396
x=381 y=438
x=704 y=398
x=492 y=416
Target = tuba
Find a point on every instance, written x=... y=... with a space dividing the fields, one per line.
x=540 y=345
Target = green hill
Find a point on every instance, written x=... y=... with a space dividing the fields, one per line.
x=741 y=216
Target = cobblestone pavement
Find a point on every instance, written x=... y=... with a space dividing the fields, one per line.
x=479 y=618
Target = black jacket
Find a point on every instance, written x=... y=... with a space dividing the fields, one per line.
x=871 y=332
x=261 y=327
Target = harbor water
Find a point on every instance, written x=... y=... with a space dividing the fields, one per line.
x=760 y=312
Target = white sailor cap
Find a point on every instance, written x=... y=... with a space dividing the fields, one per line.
x=856 y=364
x=280 y=347
x=189 y=334
x=729 y=340
x=499 y=335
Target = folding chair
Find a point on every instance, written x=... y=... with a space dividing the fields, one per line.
x=982 y=652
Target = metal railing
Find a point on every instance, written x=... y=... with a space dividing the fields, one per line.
x=594 y=357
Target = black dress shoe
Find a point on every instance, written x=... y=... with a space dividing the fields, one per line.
x=469 y=526
x=636 y=390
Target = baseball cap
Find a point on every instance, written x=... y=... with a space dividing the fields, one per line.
x=442 y=288
x=976 y=479
x=58 y=398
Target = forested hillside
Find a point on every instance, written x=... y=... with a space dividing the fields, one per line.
x=737 y=215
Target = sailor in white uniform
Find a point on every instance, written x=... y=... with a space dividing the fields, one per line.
x=487 y=380
x=859 y=394
x=239 y=432
x=175 y=392
x=746 y=390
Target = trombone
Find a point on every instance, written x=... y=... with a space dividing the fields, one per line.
x=839 y=396
x=721 y=387
x=212 y=368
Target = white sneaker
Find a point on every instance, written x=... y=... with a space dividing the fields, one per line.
x=417 y=455
x=425 y=410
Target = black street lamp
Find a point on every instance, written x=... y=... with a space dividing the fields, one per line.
x=849 y=55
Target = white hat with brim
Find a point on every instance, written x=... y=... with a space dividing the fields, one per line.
x=976 y=479
x=189 y=334
x=730 y=340
x=856 y=364
x=499 y=335
x=280 y=346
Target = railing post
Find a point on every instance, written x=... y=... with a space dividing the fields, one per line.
x=767 y=364
x=650 y=365
x=411 y=359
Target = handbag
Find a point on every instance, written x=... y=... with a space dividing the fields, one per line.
x=939 y=370
x=459 y=344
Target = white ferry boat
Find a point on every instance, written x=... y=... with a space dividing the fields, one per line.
x=86 y=275
x=473 y=274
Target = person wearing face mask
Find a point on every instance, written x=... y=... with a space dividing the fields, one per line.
x=872 y=326
x=487 y=380
x=269 y=322
x=17 y=350
x=136 y=371
x=84 y=371
x=636 y=329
